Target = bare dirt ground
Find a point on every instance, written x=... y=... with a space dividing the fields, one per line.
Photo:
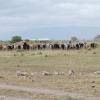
x=12 y=98
x=43 y=91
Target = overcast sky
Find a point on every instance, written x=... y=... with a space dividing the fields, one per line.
x=54 y=19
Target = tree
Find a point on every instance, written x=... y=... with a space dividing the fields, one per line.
x=74 y=39
x=97 y=38
x=16 y=39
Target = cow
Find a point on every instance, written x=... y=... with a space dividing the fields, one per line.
x=21 y=45
x=63 y=46
x=81 y=45
x=56 y=46
x=1 y=46
x=26 y=46
x=89 y=45
x=93 y=45
x=10 y=47
x=77 y=46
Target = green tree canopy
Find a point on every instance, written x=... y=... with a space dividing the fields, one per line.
x=16 y=39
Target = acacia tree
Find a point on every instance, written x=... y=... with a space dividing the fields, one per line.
x=16 y=39
x=97 y=38
x=74 y=39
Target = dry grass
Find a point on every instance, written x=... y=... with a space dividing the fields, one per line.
x=84 y=63
x=33 y=96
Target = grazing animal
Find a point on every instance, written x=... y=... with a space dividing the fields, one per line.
x=10 y=47
x=1 y=47
x=63 y=47
x=26 y=46
x=56 y=46
x=93 y=45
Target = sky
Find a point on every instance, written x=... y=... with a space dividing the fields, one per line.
x=52 y=19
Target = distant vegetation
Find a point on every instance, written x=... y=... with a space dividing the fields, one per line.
x=97 y=38
x=16 y=39
x=74 y=39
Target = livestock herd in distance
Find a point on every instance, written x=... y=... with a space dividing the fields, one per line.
x=46 y=45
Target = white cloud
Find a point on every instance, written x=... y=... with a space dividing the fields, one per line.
x=22 y=14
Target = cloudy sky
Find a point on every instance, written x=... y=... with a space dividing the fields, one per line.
x=54 y=19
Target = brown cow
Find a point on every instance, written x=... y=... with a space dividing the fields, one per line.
x=1 y=46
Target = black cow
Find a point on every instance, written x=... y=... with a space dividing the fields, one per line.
x=56 y=46
x=81 y=45
x=26 y=46
x=10 y=47
x=77 y=46
x=63 y=46
x=93 y=45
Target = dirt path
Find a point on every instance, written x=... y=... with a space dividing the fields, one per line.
x=12 y=98
x=46 y=91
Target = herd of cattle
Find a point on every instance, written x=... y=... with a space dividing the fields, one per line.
x=42 y=46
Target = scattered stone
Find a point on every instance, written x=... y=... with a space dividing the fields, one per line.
x=46 y=55
x=94 y=52
x=2 y=77
x=71 y=73
x=93 y=86
x=93 y=82
x=56 y=73
x=97 y=72
x=45 y=73
x=32 y=80
x=34 y=73
x=19 y=73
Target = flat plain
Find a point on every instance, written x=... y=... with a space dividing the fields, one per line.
x=34 y=63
